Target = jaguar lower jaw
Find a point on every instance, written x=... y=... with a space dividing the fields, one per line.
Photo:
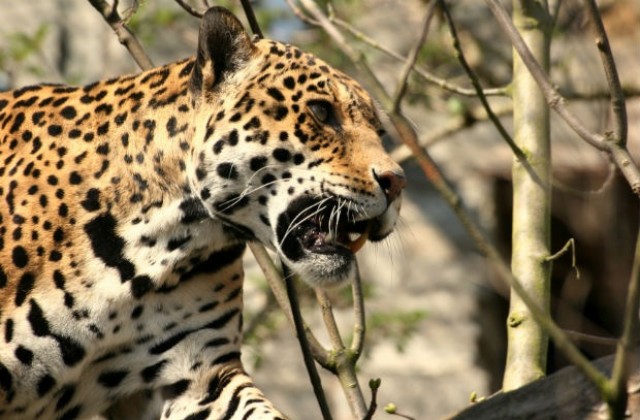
x=326 y=259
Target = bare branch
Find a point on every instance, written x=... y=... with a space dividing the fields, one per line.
x=128 y=13
x=374 y=385
x=611 y=172
x=433 y=173
x=126 y=38
x=570 y=245
x=300 y=14
x=476 y=84
x=629 y=91
x=309 y=362
x=590 y=338
x=251 y=17
x=618 y=105
x=447 y=129
x=555 y=100
x=278 y=288
x=189 y=9
x=411 y=60
x=329 y=320
x=441 y=83
x=344 y=360
x=623 y=361
x=608 y=143
x=359 y=328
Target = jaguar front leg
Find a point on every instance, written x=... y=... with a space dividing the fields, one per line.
x=226 y=393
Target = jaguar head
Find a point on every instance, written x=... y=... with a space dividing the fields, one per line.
x=289 y=151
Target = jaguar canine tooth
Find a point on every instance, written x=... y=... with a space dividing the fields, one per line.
x=357 y=244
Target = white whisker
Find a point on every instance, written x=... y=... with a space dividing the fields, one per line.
x=233 y=202
x=303 y=218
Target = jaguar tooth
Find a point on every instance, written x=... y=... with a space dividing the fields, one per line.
x=357 y=244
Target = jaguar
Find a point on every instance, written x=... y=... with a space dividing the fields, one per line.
x=126 y=206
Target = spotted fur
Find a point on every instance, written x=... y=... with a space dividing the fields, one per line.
x=125 y=206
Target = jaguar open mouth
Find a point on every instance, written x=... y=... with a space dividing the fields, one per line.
x=326 y=226
x=317 y=235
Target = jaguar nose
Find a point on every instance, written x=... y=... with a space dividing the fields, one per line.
x=392 y=183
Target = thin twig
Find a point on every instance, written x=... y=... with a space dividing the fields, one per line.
x=126 y=38
x=434 y=174
x=611 y=172
x=624 y=352
x=478 y=88
x=189 y=9
x=555 y=100
x=618 y=105
x=329 y=320
x=309 y=362
x=345 y=361
x=570 y=245
x=616 y=148
x=374 y=385
x=278 y=288
x=129 y=12
x=448 y=128
x=359 y=325
x=424 y=74
x=590 y=338
x=300 y=14
x=411 y=59
x=393 y=410
x=251 y=17
x=629 y=91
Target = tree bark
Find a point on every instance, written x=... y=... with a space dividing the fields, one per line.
x=567 y=394
x=527 y=341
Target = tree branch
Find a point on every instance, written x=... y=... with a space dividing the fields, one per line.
x=359 y=324
x=126 y=38
x=433 y=173
x=555 y=100
x=623 y=362
x=344 y=360
x=309 y=362
x=189 y=9
x=413 y=57
x=278 y=288
x=251 y=17
x=300 y=14
x=618 y=104
x=441 y=83
x=558 y=103
x=531 y=217
x=478 y=88
x=374 y=385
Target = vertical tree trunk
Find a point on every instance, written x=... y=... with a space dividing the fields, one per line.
x=527 y=343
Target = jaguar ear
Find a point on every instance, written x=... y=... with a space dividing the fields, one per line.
x=223 y=47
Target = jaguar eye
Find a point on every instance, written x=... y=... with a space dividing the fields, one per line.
x=322 y=111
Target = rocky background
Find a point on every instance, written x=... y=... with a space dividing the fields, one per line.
x=435 y=310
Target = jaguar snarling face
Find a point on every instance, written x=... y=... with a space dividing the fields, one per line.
x=289 y=151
